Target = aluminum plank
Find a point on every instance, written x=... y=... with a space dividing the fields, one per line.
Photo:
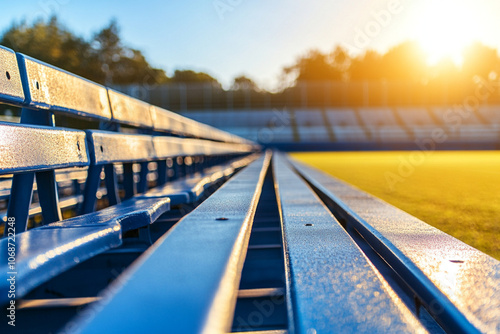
x=48 y=87
x=130 y=214
x=459 y=285
x=187 y=282
x=110 y=147
x=126 y=109
x=326 y=269
x=11 y=88
x=43 y=253
x=167 y=121
x=35 y=148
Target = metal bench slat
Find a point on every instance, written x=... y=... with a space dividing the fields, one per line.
x=126 y=109
x=48 y=87
x=131 y=214
x=190 y=189
x=184 y=191
x=43 y=253
x=35 y=148
x=112 y=147
x=188 y=281
x=11 y=88
x=459 y=284
x=326 y=269
x=52 y=249
x=167 y=121
x=167 y=147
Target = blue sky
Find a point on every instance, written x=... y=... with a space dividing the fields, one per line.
x=258 y=38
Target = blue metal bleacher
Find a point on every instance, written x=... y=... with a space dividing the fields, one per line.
x=458 y=284
x=311 y=125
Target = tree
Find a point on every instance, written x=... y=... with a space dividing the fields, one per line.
x=52 y=43
x=103 y=59
x=481 y=60
x=405 y=62
x=366 y=67
x=189 y=76
x=314 y=66
x=244 y=83
x=341 y=60
x=121 y=64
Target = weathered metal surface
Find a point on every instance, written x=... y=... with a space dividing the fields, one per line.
x=43 y=253
x=458 y=284
x=130 y=214
x=11 y=88
x=52 y=249
x=217 y=148
x=330 y=283
x=182 y=191
x=35 y=148
x=54 y=89
x=167 y=147
x=126 y=109
x=187 y=282
x=110 y=147
x=190 y=189
x=167 y=121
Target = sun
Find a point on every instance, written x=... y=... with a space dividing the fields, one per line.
x=445 y=28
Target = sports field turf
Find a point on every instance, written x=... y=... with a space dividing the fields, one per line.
x=457 y=192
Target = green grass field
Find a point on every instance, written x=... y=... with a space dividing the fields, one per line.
x=457 y=192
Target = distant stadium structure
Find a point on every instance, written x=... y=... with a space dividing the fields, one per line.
x=363 y=128
x=342 y=115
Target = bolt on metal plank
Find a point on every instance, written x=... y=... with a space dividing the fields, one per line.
x=188 y=281
x=458 y=285
x=326 y=269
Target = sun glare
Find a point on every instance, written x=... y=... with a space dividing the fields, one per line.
x=446 y=28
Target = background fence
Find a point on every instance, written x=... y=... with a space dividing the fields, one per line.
x=182 y=97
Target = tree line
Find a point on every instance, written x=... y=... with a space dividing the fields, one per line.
x=103 y=58
x=405 y=62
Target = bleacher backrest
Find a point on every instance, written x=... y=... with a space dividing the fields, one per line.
x=129 y=110
x=11 y=88
x=36 y=148
x=56 y=90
